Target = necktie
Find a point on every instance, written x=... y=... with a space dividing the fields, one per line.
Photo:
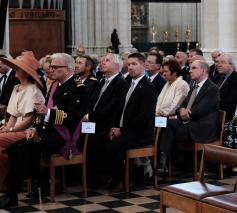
x=221 y=81
x=192 y=97
x=149 y=79
x=126 y=101
x=2 y=82
x=101 y=93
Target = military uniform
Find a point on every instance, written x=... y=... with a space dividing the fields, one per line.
x=91 y=84
x=70 y=104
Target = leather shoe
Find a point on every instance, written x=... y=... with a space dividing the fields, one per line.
x=6 y=201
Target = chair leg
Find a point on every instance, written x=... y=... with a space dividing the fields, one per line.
x=170 y=167
x=221 y=172
x=29 y=185
x=127 y=175
x=154 y=172
x=52 y=183
x=195 y=163
x=63 y=178
x=162 y=207
x=84 y=184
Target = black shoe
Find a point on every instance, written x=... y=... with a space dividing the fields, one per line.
x=6 y=201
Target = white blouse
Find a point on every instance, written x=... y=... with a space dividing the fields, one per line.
x=22 y=101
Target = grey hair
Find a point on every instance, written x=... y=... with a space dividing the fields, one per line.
x=216 y=50
x=117 y=60
x=204 y=65
x=66 y=59
x=232 y=60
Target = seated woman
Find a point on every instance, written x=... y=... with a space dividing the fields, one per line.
x=174 y=91
x=20 y=107
x=230 y=133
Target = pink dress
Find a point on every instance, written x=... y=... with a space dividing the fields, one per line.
x=20 y=104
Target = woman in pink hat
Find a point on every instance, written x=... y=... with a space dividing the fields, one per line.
x=20 y=107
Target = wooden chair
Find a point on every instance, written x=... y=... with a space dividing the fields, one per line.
x=226 y=203
x=187 y=196
x=148 y=151
x=59 y=160
x=198 y=146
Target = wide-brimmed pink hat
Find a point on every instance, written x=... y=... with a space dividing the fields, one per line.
x=26 y=62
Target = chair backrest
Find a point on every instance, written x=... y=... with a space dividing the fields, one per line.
x=219 y=155
x=222 y=115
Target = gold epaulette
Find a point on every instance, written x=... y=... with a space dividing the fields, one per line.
x=60 y=115
x=93 y=78
x=77 y=79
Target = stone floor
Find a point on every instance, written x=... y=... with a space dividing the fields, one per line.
x=142 y=198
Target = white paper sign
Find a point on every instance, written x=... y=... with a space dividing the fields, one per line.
x=88 y=127
x=161 y=122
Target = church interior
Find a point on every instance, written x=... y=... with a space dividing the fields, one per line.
x=118 y=106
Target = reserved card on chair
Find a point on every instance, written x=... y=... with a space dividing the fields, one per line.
x=160 y=121
x=88 y=127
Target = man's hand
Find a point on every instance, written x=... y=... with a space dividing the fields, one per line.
x=30 y=133
x=114 y=133
x=41 y=108
x=185 y=114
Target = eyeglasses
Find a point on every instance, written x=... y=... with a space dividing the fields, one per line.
x=54 y=67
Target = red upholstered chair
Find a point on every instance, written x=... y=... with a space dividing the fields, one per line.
x=187 y=196
x=148 y=151
x=226 y=203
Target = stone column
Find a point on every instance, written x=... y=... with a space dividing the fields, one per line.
x=219 y=30
x=94 y=21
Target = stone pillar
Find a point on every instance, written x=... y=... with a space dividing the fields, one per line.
x=94 y=21
x=219 y=30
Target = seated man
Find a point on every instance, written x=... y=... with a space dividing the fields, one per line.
x=228 y=85
x=198 y=116
x=134 y=126
x=7 y=82
x=83 y=72
x=57 y=126
x=103 y=108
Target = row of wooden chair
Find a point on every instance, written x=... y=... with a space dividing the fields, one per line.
x=148 y=151
x=198 y=196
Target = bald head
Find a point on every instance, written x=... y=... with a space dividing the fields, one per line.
x=181 y=58
x=215 y=55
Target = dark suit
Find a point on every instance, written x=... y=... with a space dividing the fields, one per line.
x=104 y=116
x=8 y=87
x=128 y=79
x=91 y=84
x=108 y=105
x=214 y=75
x=185 y=73
x=228 y=93
x=159 y=83
x=203 y=123
x=137 y=129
